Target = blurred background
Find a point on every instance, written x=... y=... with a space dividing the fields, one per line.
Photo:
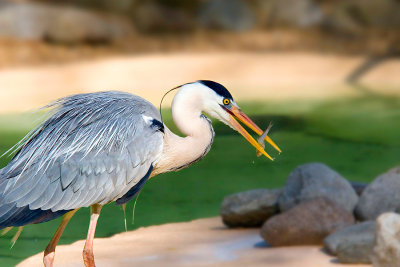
x=326 y=73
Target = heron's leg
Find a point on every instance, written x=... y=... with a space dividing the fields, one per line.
x=88 y=256
x=50 y=250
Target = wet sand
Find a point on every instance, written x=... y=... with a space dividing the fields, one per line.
x=204 y=242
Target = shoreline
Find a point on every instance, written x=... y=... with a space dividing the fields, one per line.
x=202 y=242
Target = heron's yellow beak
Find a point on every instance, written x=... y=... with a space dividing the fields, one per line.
x=235 y=112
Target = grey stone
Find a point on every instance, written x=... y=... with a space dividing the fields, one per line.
x=297 y=13
x=317 y=180
x=353 y=17
x=72 y=25
x=233 y=15
x=338 y=21
x=354 y=252
x=352 y=244
x=250 y=208
x=306 y=224
x=387 y=241
x=382 y=195
x=153 y=17
x=378 y=13
x=34 y=21
x=24 y=20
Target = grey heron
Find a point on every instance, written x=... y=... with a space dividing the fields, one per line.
x=102 y=147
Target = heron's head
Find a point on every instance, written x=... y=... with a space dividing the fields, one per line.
x=216 y=101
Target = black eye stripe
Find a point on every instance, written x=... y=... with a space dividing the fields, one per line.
x=218 y=88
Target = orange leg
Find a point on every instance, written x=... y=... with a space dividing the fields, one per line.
x=50 y=250
x=88 y=256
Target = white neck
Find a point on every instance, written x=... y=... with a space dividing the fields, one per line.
x=181 y=152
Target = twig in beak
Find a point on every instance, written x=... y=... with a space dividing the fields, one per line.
x=260 y=140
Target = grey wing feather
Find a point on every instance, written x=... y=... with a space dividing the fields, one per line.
x=92 y=149
x=40 y=201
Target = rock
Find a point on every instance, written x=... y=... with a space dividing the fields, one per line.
x=24 y=20
x=382 y=195
x=306 y=224
x=377 y=13
x=358 y=187
x=352 y=244
x=387 y=241
x=34 y=21
x=355 y=252
x=361 y=232
x=297 y=13
x=249 y=209
x=72 y=25
x=233 y=15
x=116 y=6
x=352 y=17
x=338 y=21
x=152 y=17
x=317 y=180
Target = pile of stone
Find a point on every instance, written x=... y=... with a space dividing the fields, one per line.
x=74 y=21
x=355 y=222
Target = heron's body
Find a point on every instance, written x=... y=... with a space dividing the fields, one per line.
x=106 y=162
x=99 y=148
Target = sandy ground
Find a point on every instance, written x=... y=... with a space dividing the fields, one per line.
x=204 y=242
x=249 y=76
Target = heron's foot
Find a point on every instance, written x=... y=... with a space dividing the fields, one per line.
x=48 y=259
x=88 y=258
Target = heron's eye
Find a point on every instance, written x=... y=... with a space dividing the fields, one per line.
x=227 y=101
